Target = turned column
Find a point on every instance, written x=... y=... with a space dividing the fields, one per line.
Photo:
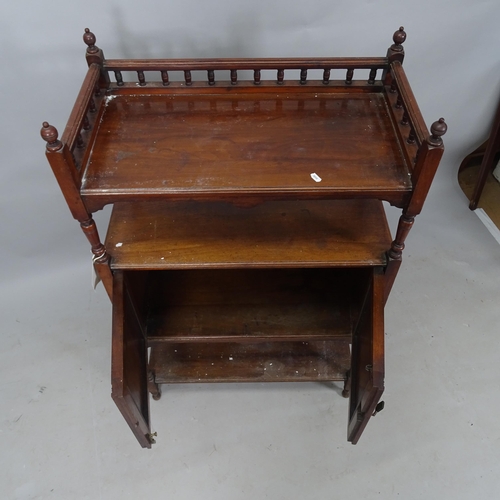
x=63 y=166
x=428 y=158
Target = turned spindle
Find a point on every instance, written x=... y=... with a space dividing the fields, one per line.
x=164 y=78
x=234 y=77
x=187 y=77
x=372 y=76
x=281 y=76
x=211 y=77
x=326 y=76
x=303 y=76
x=50 y=135
x=80 y=144
x=405 y=119
x=438 y=129
x=411 y=138
x=348 y=76
x=89 y=39
x=119 y=78
x=256 y=76
x=86 y=123
x=141 y=78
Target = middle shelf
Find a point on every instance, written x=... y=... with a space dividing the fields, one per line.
x=191 y=235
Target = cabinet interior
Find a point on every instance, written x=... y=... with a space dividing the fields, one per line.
x=248 y=324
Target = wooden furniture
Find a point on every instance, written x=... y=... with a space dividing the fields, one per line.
x=487 y=154
x=248 y=241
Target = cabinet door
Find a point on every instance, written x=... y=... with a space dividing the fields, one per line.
x=129 y=363
x=367 y=358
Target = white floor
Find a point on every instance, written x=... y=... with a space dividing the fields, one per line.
x=438 y=437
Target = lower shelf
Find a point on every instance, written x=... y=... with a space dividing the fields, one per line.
x=250 y=362
x=251 y=305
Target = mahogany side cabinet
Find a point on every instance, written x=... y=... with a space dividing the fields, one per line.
x=248 y=240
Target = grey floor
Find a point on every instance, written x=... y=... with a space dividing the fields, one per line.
x=61 y=436
x=438 y=437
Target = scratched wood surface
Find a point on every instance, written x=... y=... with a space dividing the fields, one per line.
x=260 y=362
x=314 y=233
x=192 y=146
x=250 y=304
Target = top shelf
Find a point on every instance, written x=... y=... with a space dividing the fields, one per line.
x=245 y=131
x=274 y=144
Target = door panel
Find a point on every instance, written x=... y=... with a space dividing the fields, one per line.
x=129 y=363
x=367 y=358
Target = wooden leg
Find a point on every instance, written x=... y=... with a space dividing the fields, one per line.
x=105 y=274
x=347 y=384
x=153 y=387
x=101 y=258
x=391 y=272
x=398 y=245
x=396 y=252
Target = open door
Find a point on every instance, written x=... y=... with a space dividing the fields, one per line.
x=367 y=358
x=129 y=362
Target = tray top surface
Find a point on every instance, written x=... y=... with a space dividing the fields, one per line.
x=197 y=143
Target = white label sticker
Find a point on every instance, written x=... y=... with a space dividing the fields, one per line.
x=315 y=177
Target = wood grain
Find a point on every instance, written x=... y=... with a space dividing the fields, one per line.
x=261 y=362
x=254 y=304
x=194 y=145
x=179 y=235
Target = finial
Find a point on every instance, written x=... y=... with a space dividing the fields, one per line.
x=89 y=39
x=399 y=37
x=49 y=133
x=438 y=129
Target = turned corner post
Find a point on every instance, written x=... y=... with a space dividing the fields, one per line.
x=395 y=254
x=398 y=245
x=395 y=52
x=90 y=230
x=100 y=258
x=62 y=164
x=95 y=55
x=428 y=158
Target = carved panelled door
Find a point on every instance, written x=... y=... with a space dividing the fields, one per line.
x=367 y=358
x=129 y=362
